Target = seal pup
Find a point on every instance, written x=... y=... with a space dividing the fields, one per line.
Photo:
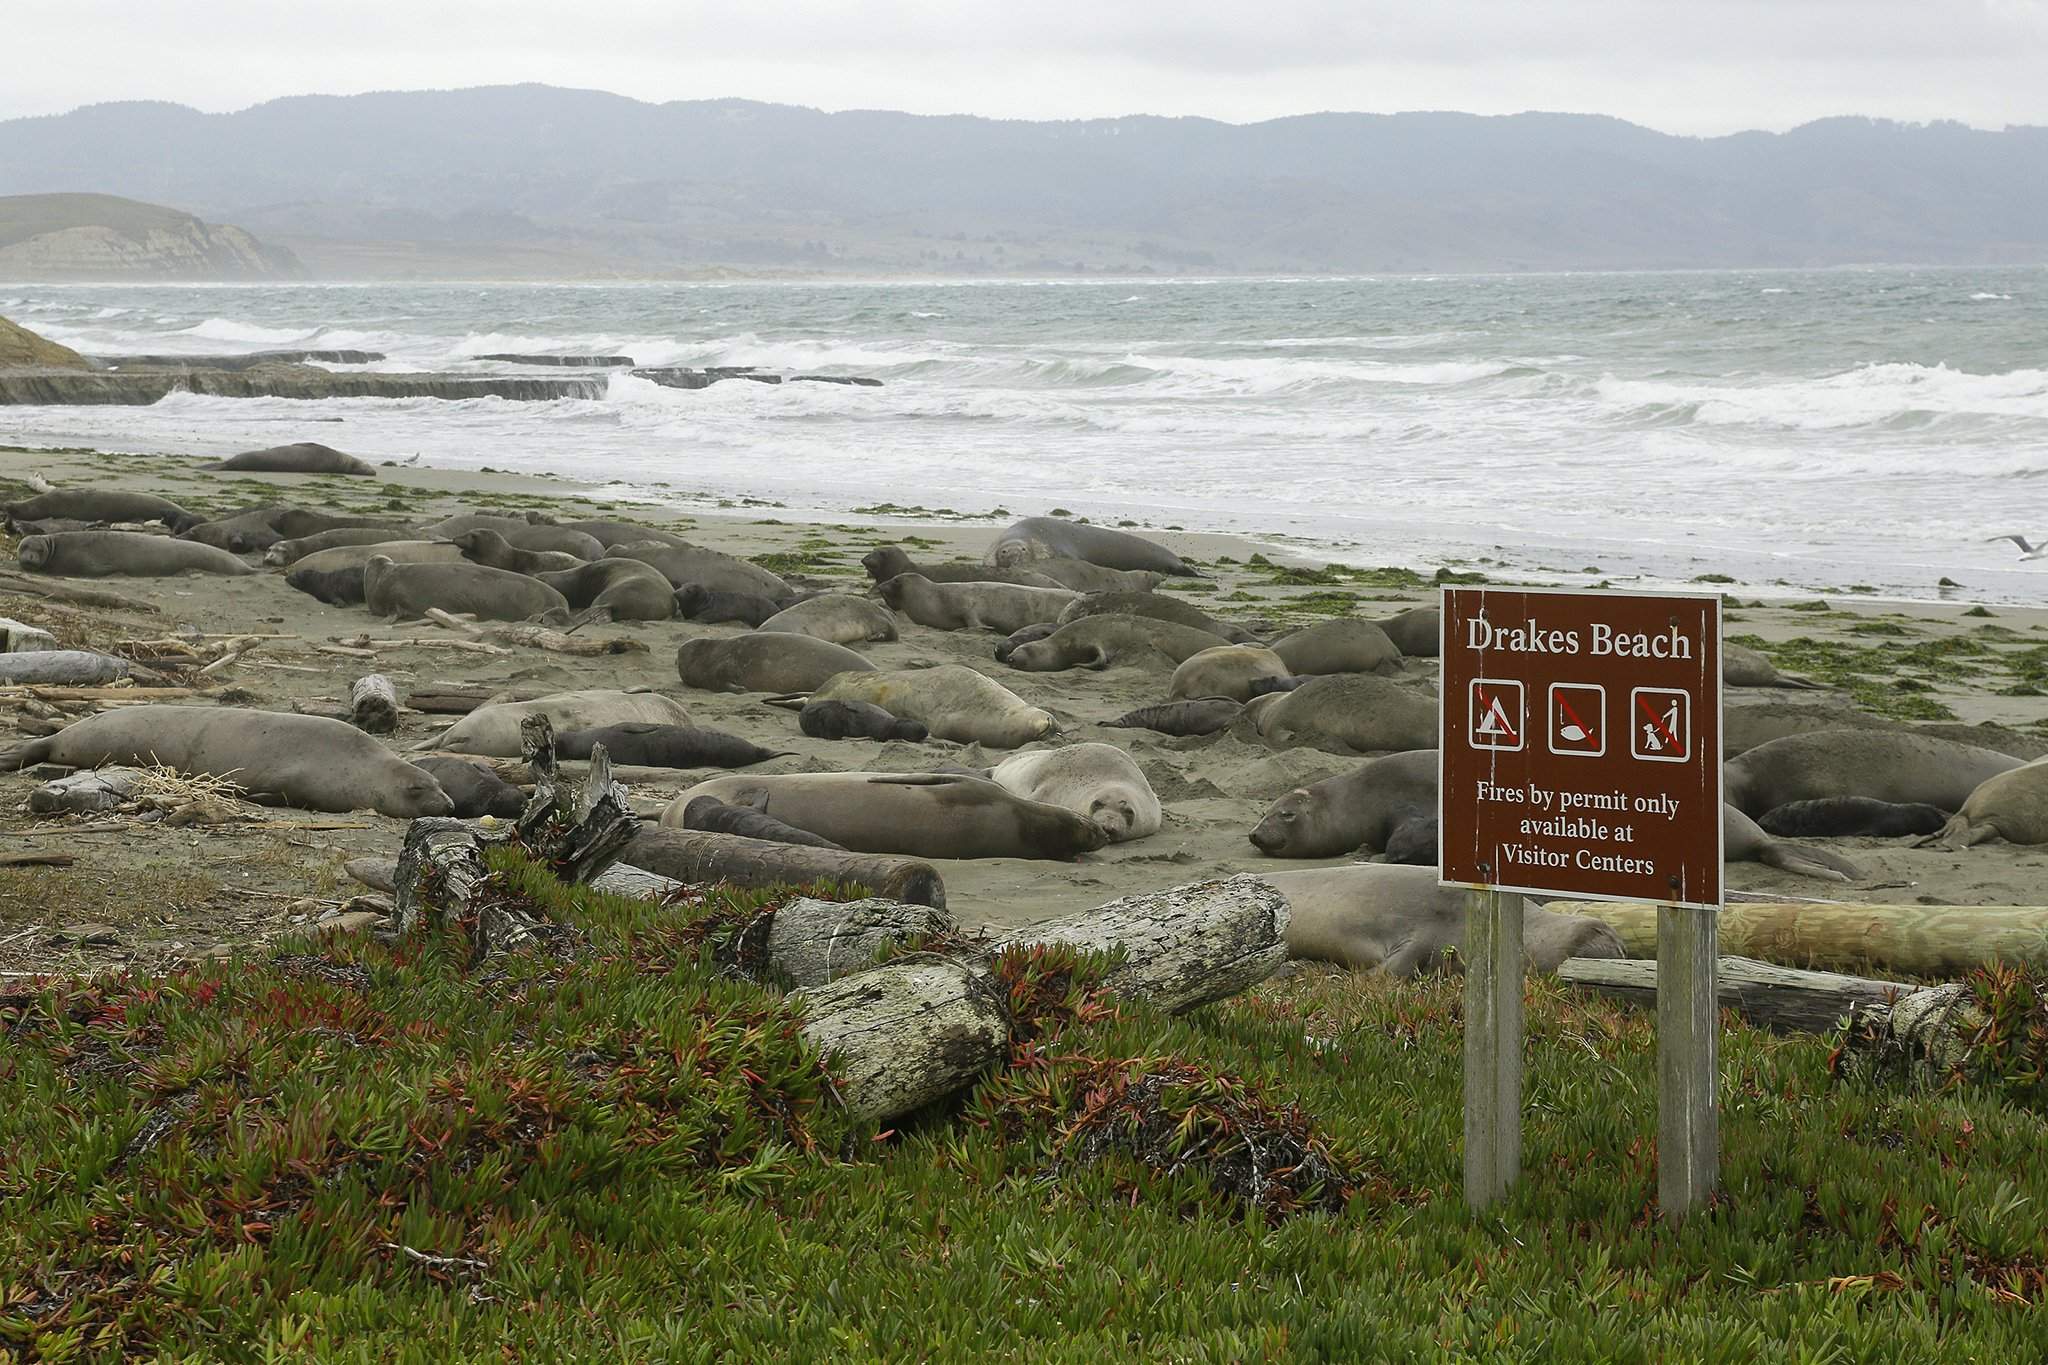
x=1157 y=606
x=336 y=576
x=683 y=565
x=723 y=817
x=919 y=815
x=289 y=552
x=779 y=662
x=1398 y=920
x=1224 y=671
x=1886 y=765
x=474 y=788
x=665 y=746
x=300 y=457
x=1347 y=645
x=1097 y=781
x=627 y=588
x=1417 y=632
x=1102 y=641
x=952 y=701
x=1266 y=687
x=839 y=617
x=1181 y=718
x=1845 y=816
x=1744 y=841
x=1005 y=607
x=1361 y=809
x=1347 y=713
x=102 y=504
x=482 y=545
x=493 y=728
x=1053 y=538
x=124 y=554
x=2011 y=805
x=402 y=591
x=856 y=720
x=695 y=602
x=1744 y=667
x=1018 y=638
x=309 y=762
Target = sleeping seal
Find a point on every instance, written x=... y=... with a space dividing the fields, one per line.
x=683 y=565
x=102 y=504
x=919 y=815
x=289 y=552
x=474 y=788
x=1886 y=765
x=856 y=720
x=836 y=616
x=1748 y=724
x=336 y=576
x=1417 y=632
x=721 y=817
x=484 y=546
x=695 y=602
x=128 y=554
x=1053 y=538
x=300 y=457
x=1181 y=718
x=891 y=561
x=1743 y=841
x=1397 y=919
x=1097 y=781
x=1017 y=639
x=1843 y=816
x=1227 y=671
x=493 y=728
x=1366 y=808
x=1103 y=641
x=1347 y=713
x=665 y=746
x=951 y=701
x=781 y=663
x=627 y=588
x=306 y=761
x=1005 y=607
x=2010 y=805
x=1343 y=646
x=404 y=591
x=1744 y=667
x=612 y=534
x=1157 y=606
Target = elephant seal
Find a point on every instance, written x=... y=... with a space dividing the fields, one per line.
x=1748 y=724
x=1417 y=632
x=836 y=616
x=627 y=588
x=541 y=538
x=1361 y=809
x=1078 y=575
x=1398 y=920
x=1181 y=718
x=612 y=534
x=1343 y=646
x=919 y=815
x=780 y=662
x=952 y=701
x=723 y=817
x=300 y=457
x=484 y=546
x=127 y=554
x=695 y=602
x=309 y=762
x=1985 y=735
x=2011 y=805
x=1266 y=687
x=1744 y=667
x=1414 y=843
x=857 y=720
x=1097 y=781
x=1156 y=606
x=1005 y=607
x=259 y=528
x=406 y=590
x=683 y=565
x=1895 y=766
x=1347 y=713
x=474 y=787
x=1102 y=641
x=1843 y=816
x=493 y=728
x=102 y=504
x=450 y=527
x=1744 y=841
x=665 y=746
x=890 y=561
x=336 y=576
x=1036 y=538
x=1017 y=639
x=289 y=552
x=1224 y=671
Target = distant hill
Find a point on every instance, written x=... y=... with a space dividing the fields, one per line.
x=102 y=237
x=21 y=348
x=532 y=180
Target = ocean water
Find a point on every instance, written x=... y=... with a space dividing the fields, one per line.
x=1807 y=430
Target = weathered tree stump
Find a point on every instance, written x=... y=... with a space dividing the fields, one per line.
x=578 y=829
x=698 y=857
x=811 y=942
x=373 y=705
x=907 y=1033
x=1783 y=999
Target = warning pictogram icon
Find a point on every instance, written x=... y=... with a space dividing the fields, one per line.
x=1578 y=719
x=1496 y=712
x=1660 y=724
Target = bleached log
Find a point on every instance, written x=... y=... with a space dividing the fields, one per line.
x=448 y=701
x=700 y=858
x=623 y=879
x=907 y=1033
x=1783 y=999
x=62 y=667
x=18 y=637
x=373 y=704
x=83 y=793
x=440 y=870
x=811 y=942
x=1914 y=940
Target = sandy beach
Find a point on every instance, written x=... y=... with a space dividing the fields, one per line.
x=163 y=893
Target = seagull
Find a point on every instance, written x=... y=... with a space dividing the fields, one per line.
x=2028 y=550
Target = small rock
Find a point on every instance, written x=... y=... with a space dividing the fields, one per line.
x=350 y=922
x=87 y=936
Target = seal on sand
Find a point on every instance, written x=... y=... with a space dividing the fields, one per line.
x=301 y=457
x=336 y=576
x=627 y=588
x=1417 y=632
x=1744 y=667
x=102 y=504
x=1361 y=809
x=1157 y=606
x=1005 y=607
x=129 y=554
x=839 y=617
x=695 y=602
x=1342 y=646
x=856 y=720
x=2011 y=805
x=289 y=552
x=612 y=534
x=474 y=787
x=781 y=663
x=306 y=761
x=493 y=729
x=723 y=817
x=683 y=565
x=952 y=701
x=543 y=538
x=1747 y=724
x=1399 y=920
x=1017 y=639
x=1181 y=718
x=665 y=746
x=1743 y=841
x=404 y=591
x=1098 y=781
x=1224 y=671
x=484 y=546
x=891 y=561
x=1843 y=816
x=259 y=528
x=1103 y=641
x=1347 y=713
x=1053 y=538
x=1886 y=765
x=921 y=815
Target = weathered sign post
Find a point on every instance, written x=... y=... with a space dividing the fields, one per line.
x=1581 y=756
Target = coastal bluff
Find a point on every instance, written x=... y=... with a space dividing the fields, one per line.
x=82 y=237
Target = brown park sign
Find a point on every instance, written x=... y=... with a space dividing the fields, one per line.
x=1581 y=744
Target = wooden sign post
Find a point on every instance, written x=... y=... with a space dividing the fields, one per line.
x=1580 y=757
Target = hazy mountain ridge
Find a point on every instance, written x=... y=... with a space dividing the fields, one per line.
x=103 y=237
x=565 y=181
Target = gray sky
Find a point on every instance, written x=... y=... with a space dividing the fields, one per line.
x=1688 y=66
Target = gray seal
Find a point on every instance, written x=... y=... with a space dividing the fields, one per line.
x=1099 y=782
x=857 y=720
x=493 y=728
x=306 y=761
x=1343 y=646
x=482 y=545
x=290 y=552
x=683 y=565
x=666 y=746
x=1017 y=639
x=695 y=602
x=1159 y=607
x=2011 y=805
x=126 y=554
x=1181 y=718
x=300 y=457
x=1744 y=667
x=1847 y=816
x=1885 y=765
x=1224 y=671
x=952 y=701
x=541 y=537
x=725 y=817
x=627 y=588
x=1747 y=724
x=259 y=528
x=779 y=663
x=1417 y=632
x=1105 y=641
x=1347 y=713
x=1744 y=841
x=1053 y=538
x=839 y=617
x=1365 y=808
x=1005 y=607
x=891 y=561
x=336 y=576
x=919 y=815
x=405 y=591
x=102 y=504
x=612 y=534
x=474 y=788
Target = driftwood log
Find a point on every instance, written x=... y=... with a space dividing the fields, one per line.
x=539 y=637
x=811 y=942
x=64 y=667
x=59 y=591
x=19 y=637
x=1783 y=999
x=448 y=701
x=1916 y=940
x=373 y=704
x=698 y=857
x=909 y=1032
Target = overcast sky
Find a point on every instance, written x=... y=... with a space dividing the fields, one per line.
x=1688 y=66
